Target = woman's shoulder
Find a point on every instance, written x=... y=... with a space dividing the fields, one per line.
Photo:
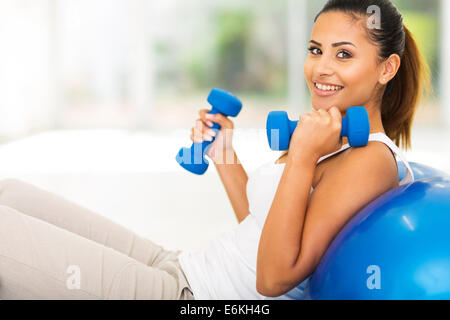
x=364 y=173
x=376 y=160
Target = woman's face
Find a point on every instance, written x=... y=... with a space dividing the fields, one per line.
x=351 y=66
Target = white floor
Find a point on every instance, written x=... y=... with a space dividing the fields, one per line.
x=133 y=178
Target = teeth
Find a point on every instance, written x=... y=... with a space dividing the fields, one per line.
x=327 y=88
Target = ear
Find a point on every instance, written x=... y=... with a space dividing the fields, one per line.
x=391 y=66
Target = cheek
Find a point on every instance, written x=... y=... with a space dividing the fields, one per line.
x=353 y=76
x=360 y=88
x=359 y=75
x=307 y=70
x=359 y=81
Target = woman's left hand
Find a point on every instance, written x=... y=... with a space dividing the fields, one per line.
x=318 y=133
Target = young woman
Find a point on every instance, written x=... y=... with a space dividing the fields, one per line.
x=288 y=211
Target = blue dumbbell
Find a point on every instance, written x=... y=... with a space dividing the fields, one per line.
x=193 y=158
x=355 y=126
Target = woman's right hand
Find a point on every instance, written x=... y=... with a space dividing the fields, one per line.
x=223 y=138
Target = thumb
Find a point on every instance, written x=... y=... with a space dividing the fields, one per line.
x=335 y=114
x=222 y=120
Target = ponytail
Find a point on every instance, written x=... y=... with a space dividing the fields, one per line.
x=404 y=92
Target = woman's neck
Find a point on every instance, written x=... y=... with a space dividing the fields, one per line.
x=375 y=120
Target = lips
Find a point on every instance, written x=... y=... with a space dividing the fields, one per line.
x=326 y=93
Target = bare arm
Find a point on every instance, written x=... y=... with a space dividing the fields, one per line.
x=221 y=152
x=305 y=231
x=234 y=179
x=298 y=230
x=283 y=228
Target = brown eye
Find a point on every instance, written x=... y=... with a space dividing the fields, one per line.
x=311 y=49
x=348 y=55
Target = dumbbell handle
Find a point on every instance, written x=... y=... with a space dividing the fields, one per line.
x=344 y=130
x=203 y=146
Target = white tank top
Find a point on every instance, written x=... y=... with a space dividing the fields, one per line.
x=226 y=269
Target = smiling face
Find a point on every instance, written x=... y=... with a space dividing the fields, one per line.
x=342 y=55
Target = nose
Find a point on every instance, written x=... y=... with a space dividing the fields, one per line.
x=324 y=66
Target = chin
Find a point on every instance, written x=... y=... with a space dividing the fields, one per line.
x=318 y=106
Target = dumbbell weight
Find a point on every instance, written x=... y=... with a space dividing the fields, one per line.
x=193 y=159
x=355 y=126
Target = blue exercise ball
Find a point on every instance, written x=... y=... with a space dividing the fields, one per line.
x=397 y=247
x=420 y=171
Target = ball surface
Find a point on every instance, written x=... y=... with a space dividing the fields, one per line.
x=397 y=247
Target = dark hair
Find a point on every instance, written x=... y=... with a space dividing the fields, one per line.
x=403 y=93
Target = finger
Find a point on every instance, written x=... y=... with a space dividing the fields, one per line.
x=304 y=117
x=335 y=113
x=222 y=120
x=199 y=125
x=204 y=130
x=196 y=139
x=323 y=113
x=203 y=113
x=207 y=133
x=336 y=117
x=198 y=129
x=318 y=115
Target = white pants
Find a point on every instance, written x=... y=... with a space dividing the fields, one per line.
x=51 y=248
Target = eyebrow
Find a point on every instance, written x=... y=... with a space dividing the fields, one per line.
x=338 y=44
